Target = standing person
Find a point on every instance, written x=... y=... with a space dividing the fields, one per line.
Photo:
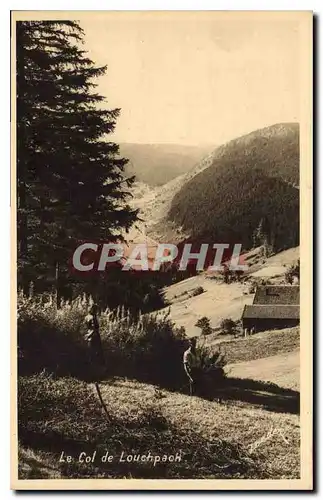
x=189 y=361
x=93 y=338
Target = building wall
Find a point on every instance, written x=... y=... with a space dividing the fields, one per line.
x=262 y=324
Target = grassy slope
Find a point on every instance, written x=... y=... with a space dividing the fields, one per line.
x=268 y=357
x=282 y=369
x=218 y=301
x=217 y=440
x=261 y=345
x=221 y=300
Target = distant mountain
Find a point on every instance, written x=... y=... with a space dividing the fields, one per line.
x=251 y=178
x=157 y=164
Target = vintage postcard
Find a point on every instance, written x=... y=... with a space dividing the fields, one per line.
x=161 y=250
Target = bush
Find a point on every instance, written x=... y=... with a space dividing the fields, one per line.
x=228 y=326
x=292 y=273
x=205 y=325
x=147 y=347
x=51 y=338
x=209 y=371
x=198 y=291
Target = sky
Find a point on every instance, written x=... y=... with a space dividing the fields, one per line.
x=196 y=77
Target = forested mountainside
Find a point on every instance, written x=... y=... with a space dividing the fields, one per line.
x=252 y=182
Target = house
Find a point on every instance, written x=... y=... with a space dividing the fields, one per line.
x=273 y=307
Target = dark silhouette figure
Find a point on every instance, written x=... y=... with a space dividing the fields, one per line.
x=93 y=338
x=189 y=362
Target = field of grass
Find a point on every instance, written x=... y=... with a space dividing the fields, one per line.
x=219 y=301
x=228 y=440
x=282 y=369
x=260 y=345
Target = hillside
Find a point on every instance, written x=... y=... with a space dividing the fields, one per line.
x=173 y=210
x=282 y=369
x=246 y=427
x=233 y=440
x=220 y=300
x=251 y=178
x=157 y=164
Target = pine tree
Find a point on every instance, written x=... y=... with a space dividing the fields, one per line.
x=70 y=181
x=262 y=236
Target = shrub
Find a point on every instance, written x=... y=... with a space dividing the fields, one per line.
x=198 y=291
x=51 y=338
x=226 y=274
x=147 y=347
x=292 y=273
x=205 y=325
x=228 y=326
x=209 y=371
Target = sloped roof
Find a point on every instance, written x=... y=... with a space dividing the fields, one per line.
x=271 y=311
x=283 y=295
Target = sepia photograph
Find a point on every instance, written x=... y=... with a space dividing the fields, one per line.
x=161 y=250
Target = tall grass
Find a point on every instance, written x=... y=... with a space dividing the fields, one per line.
x=51 y=337
x=146 y=347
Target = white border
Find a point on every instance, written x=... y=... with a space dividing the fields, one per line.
x=163 y=5
x=5 y=174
